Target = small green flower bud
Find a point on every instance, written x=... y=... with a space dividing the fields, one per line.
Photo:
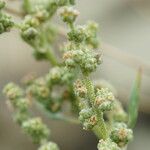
x=78 y=35
x=80 y=89
x=68 y=14
x=30 y=21
x=85 y=114
x=49 y=146
x=72 y=2
x=5 y=23
x=59 y=75
x=39 y=89
x=88 y=118
x=22 y=104
x=36 y=129
x=67 y=76
x=89 y=64
x=2 y=4
x=77 y=55
x=69 y=59
x=107 y=145
x=12 y=91
x=104 y=99
x=29 y=34
x=42 y=15
x=62 y=2
x=70 y=63
x=54 y=75
x=121 y=135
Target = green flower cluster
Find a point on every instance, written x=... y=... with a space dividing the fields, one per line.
x=36 y=28
x=18 y=102
x=13 y=92
x=49 y=146
x=39 y=89
x=59 y=75
x=86 y=59
x=68 y=14
x=121 y=135
x=82 y=40
x=6 y=22
x=107 y=145
x=44 y=89
x=88 y=118
x=35 y=128
x=57 y=87
x=80 y=89
x=104 y=99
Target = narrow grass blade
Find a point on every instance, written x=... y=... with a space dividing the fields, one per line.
x=134 y=101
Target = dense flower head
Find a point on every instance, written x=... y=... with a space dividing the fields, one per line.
x=92 y=38
x=29 y=34
x=88 y=118
x=49 y=146
x=2 y=4
x=80 y=89
x=39 y=89
x=107 y=145
x=12 y=91
x=104 y=99
x=5 y=22
x=59 y=75
x=78 y=34
x=68 y=14
x=121 y=135
x=36 y=129
x=85 y=58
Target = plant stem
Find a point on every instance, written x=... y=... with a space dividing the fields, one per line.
x=58 y=116
x=51 y=58
x=100 y=129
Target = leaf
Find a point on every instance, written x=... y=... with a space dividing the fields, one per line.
x=134 y=101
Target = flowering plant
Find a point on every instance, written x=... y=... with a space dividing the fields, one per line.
x=94 y=105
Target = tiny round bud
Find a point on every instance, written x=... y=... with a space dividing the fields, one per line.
x=80 y=89
x=104 y=99
x=5 y=23
x=12 y=91
x=29 y=34
x=54 y=75
x=77 y=35
x=39 y=89
x=22 y=104
x=49 y=146
x=107 y=145
x=42 y=15
x=68 y=14
x=2 y=4
x=120 y=134
x=88 y=118
x=36 y=129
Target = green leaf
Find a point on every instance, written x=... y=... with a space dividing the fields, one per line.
x=134 y=100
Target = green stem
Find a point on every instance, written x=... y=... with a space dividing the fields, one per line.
x=51 y=57
x=100 y=129
x=58 y=116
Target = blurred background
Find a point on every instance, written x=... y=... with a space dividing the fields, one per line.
x=125 y=36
